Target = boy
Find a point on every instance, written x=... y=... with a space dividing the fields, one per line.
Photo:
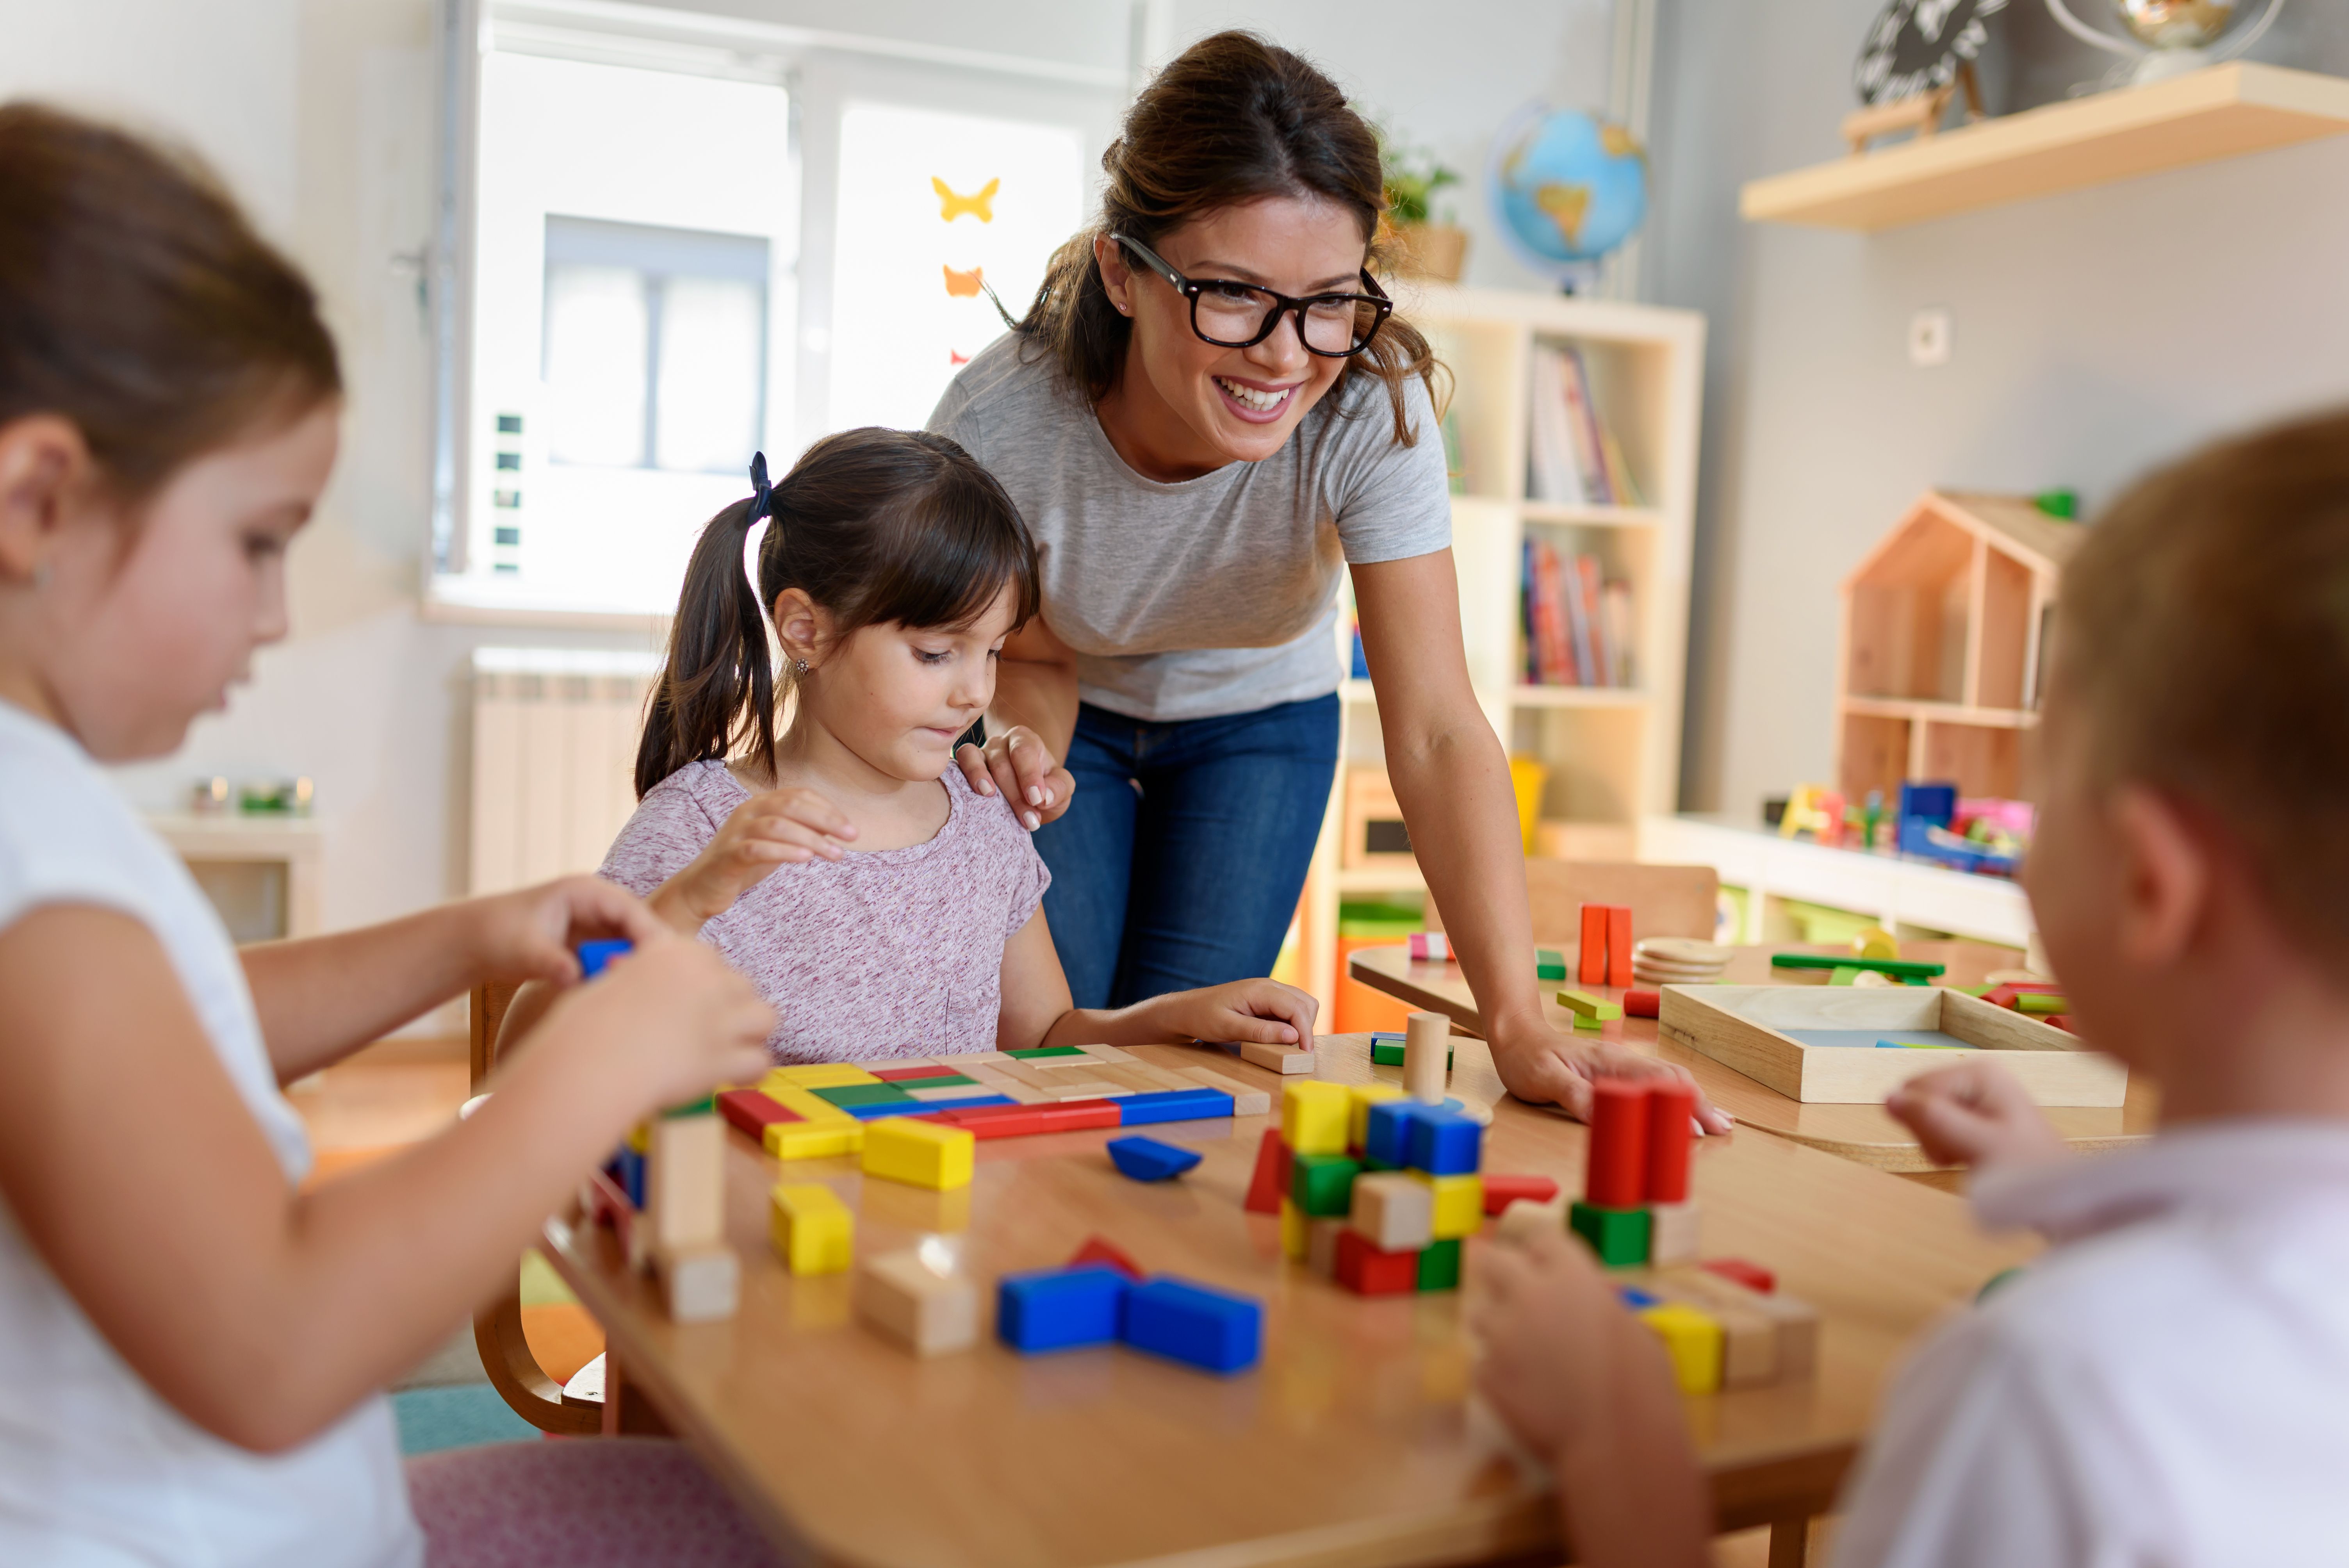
x=2170 y=1383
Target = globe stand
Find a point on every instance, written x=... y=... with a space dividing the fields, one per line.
x=2173 y=54
x=1922 y=113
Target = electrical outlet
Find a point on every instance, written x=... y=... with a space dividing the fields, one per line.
x=1929 y=337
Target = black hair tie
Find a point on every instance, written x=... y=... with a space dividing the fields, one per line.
x=763 y=494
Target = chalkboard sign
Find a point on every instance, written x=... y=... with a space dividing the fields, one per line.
x=1917 y=46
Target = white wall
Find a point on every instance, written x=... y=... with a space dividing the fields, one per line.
x=2094 y=334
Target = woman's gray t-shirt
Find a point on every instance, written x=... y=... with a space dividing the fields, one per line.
x=1219 y=594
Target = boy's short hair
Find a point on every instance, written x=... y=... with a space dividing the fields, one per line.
x=2203 y=644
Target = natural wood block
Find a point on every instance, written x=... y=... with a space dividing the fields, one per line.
x=1426 y=1051
x=1282 y=1059
x=1394 y=1210
x=1744 y=1026
x=700 y=1284
x=1794 y=1324
x=1523 y=1220
x=1321 y=1245
x=1671 y=1234
x=685 y=1181
x=1247 y=1100
x=907 y=1298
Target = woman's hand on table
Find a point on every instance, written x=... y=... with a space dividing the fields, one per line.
x=1016 y=765
x=1540 y=1064
x=1977 y=1114
x=1264 y=1011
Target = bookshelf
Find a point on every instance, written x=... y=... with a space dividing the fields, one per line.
x=1612 y=752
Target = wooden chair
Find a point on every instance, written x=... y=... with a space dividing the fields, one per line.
x=505 y=1352
x=1665 y=901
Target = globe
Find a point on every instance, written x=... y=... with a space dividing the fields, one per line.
x=1567 y=188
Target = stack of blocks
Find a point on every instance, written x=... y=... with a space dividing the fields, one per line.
x=684 y=1198
x=1373 y=1187
x=1724 y=1326
x=1101 y=1303
x=1634 y=1208
x=1606 y=946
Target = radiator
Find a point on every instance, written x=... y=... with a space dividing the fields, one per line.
x=554 y=755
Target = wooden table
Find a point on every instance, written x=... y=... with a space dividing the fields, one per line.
x=1352 y=1443
x=1862 y=1132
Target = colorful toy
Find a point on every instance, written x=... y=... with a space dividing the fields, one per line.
x=684 y=1203
x=1213 y=1330
x=1147 y=1159
x=1549 y=964
x=1642 y=1004
x=1387 y=1050
x=1593 y=968
x=918 y=1298
x=1618 y=945
x=1500 y=1191
x=919 y=1153
x=1269 y=1184
x=1098 y=1251
x=595 y=957
x=1898 y=968
x=1060 y=1309
x=815 y=1232
x=1430 y=947
x=1640 y=1133
x=1408 y=1186
x=1426 y=1056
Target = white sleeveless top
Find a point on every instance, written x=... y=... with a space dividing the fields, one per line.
x=94 y=1467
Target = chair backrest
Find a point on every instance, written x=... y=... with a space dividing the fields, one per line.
x=1665 y=901
x=489 y=1013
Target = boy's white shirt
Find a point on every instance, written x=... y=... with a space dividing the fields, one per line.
x=2168 y=1386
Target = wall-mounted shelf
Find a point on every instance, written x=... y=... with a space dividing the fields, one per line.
x=2220 y=111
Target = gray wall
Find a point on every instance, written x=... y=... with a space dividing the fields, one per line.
x=2094 y=334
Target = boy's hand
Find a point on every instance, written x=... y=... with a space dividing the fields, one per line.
x=1974 y=1114
x=780 y=826
x=1265 y=1011
x=530 y=935
x=1558 y=1345
x=671 y=1018
x=1540 y=1066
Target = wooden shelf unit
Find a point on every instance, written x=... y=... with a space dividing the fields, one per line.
x=2220 y=111
x=1943 y=645
x=1613 y=753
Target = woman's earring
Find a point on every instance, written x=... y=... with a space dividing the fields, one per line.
x=799 y=666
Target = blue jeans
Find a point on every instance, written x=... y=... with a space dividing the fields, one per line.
x=1179 y=861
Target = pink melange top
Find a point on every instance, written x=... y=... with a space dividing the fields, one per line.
x=898 y=953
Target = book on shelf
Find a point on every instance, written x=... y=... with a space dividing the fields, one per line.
x=1577 y=626
x=1573 y=456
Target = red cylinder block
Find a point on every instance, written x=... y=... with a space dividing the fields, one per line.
x=1618 y=1174
x=1672 y=1117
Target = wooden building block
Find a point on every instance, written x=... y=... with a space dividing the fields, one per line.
x=1459 y=1203
x=1671 y=1234
x=1098 y=1250
x=1295 y=1234
x=1642 y=1004
x=1620 y=1236
x=1285 y=1060
x=1738 y=1270
x=1525 y=1219
x=910 y=1298
x=1323 y=1184
x=819 y=1075
x=1672 y=1132
x=1396 y=1211
x=1314 y=1117
x=700 y=1284
x=1247 y=1100
x=1500 y=1191
x=1321 y=1245
x=1617 y=1175
x=1618 y=945
x=815 y=1139
x=685 y=1181
x=1794 y=1324
x=1426 y=1051
x=1583 y=1005
x=1364 y=1268
x=813 y=1231
x=919 y=1153
x=1749 y=1337
x=1269 y=1183
x=1359 y=1097
x=804 y=1103
x=1430 y=947
x=751 y=1113
x=1549 y=964
x=1693 y=1340
x=1592 y=971
x=1439 y=1266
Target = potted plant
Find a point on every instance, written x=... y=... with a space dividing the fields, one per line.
x=1423 y=246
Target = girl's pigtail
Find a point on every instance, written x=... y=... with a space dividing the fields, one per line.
x=716 y=665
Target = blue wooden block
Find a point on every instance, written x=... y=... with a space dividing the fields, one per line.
x=1445 y=1143
x=1060 y=1309
x=631 y=1175
x=1172 y=1105
x=1147 y=1159
x=1210 y=1329
x=1635 y=1298
x=593 y=955
x=1387 y=1140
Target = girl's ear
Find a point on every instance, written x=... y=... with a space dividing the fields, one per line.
x=1117 y=276
x=44 y=463
x=803 y=627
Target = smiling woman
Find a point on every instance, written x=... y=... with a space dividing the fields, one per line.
x=1208 y=411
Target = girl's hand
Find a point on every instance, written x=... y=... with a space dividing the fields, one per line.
x=780 y=826
x=1975 y=1114
x=530 y=935
x=1265 y=1011
x=1558 y=1344
x=1016 y=765
x=670 y=1017
x=1539 y=1063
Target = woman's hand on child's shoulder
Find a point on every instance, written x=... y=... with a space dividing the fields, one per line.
x=1975 y=1113
x=530 y=935
x=1558 y=1347
x=778 y=827
x=1265 y=1011
x=670 y=1019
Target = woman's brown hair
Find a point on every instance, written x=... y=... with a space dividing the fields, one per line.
x=1232 y=119
x=2203 y=646
x=137 y=302
x=878 y=527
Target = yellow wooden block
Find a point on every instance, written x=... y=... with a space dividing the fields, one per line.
x=820 y=1075
x=1459 y=1203
x=814 y=1232
x=1296 y=1230
x=814 y=1139
x=1359 y=1097
x=803 y=1103
x=1313 y=1117
x=640 y=1137
x=1693 y=1340
x=919 y=1153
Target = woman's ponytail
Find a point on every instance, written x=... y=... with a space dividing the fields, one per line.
x=715 y=687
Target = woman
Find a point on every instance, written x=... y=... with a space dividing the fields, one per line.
x=1205 y=411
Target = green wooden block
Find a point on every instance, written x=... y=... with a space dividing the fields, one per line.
x=2032 y=1002
x=847 y=1094
x=1391 y=1055
x=706 y=1106
x=1439 y=1266
x=1843 y=976
x=1583 y=1005
x=1898 y=968
x=1584 y=1021
x=1620 y=1236
x=1549 y=964
x=1033 y=1052
x=1322 y=1185
x=943 y=1080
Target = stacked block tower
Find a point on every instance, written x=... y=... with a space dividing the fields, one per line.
x=1635 y=1205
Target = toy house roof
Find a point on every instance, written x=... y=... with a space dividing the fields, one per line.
x=2013 y=525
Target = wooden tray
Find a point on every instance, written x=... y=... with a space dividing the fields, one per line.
x=1741 y=1026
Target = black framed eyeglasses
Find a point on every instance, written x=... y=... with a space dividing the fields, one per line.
x=1241 y=315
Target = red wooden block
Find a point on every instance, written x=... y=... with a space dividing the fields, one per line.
x=1027 y=1124
x=2000 y=995
x=1643 y=1004
x=1500 y=1191
x=1074 y=1115
x=1618 y=945
x=962 y=1113
x=1272 y=1174
x=1671 y=1111
x=2034 y=988
x=751 y=1113
x=1752 y=1276
x=1362 y=1268
x=1097 y=1251
x=2062 y=1021
x=1617 y=1177
x=1593 y=969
